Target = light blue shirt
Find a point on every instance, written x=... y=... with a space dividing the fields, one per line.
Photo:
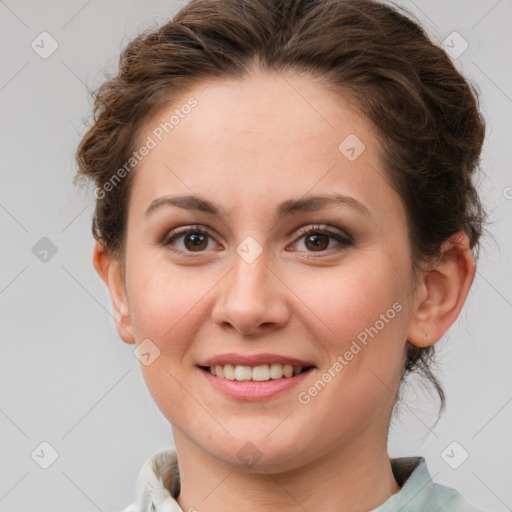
x=158 y=484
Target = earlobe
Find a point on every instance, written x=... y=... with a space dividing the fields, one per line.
x=110 y=271
x=445 y=287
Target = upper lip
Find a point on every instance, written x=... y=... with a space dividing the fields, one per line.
x=253 y=360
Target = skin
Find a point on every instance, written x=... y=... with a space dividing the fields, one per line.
x=248 y=146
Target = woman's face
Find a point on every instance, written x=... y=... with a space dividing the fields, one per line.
x=322 y=284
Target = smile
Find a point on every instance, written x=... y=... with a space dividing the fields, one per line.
x=261 y=382
x=258 y=373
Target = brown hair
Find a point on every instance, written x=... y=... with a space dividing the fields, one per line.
x=425 y=111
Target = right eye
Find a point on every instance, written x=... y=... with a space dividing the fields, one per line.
x=194 y=239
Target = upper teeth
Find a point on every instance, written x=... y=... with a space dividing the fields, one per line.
x=259 y=373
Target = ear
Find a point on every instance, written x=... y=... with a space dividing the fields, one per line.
x=110 y=270
x=442 y=292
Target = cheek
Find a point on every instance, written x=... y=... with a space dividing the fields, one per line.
x=161 y=297
x=362 y=333
x=363 y=319
x=165 y=306
x=345 y=302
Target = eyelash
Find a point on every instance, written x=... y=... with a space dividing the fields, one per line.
x=343 y=239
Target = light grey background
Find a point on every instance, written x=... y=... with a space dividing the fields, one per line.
x=67 y=379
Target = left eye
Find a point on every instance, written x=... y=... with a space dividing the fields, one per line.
x=318 y=239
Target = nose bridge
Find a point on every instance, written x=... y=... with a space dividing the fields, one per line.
x=249 y=298
x=249 y=271
x=248 y=283
x=249 y=274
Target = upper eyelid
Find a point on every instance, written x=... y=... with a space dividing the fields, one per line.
x=324 y=228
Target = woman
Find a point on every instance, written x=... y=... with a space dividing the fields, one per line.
x=286 y=224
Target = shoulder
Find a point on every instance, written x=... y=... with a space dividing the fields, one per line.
x=419 y=493
x=157 y=485
x=449 y=499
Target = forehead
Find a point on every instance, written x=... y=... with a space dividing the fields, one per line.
x=269 y=135
x=263 y=106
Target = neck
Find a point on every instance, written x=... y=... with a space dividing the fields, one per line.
x=354 y=478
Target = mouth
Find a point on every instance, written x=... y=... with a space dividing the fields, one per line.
x=255 y=376
x=259 y=373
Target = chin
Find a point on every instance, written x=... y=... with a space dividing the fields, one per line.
x=258 y=453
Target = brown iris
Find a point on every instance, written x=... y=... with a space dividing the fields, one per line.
x=318 y=241
x=197 y=241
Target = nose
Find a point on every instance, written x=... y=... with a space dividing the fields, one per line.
x=252 y=298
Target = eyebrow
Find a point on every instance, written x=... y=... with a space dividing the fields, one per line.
x=288 y=207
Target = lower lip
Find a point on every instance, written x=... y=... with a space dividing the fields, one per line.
x=254 y=390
